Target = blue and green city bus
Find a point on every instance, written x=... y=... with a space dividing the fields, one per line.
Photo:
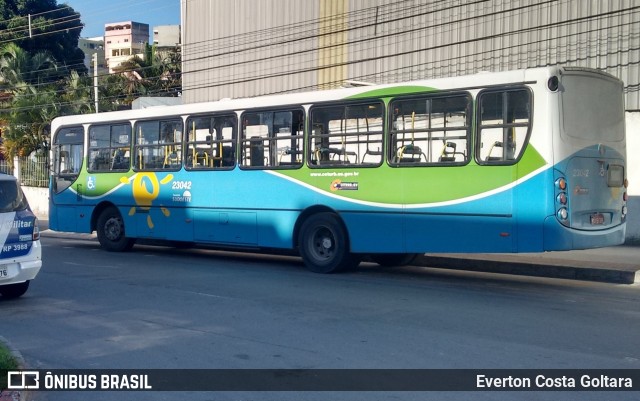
x=521 y=161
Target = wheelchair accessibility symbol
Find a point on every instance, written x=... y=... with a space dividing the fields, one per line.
x=91 y=182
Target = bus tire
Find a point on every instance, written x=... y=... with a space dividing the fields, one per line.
x=324 y=246
x=394 y=259
x=111 y=231
x=12 y=291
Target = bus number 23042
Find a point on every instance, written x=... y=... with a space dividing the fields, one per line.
x=181 y=185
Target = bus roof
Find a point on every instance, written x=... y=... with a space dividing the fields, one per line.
x=479 y=80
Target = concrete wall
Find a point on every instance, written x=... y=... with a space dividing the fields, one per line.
x=250 y=48
x=633 y=174
x=38 y=200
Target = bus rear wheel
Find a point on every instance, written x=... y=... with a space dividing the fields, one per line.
x=111 y=231
x=324 y=245
x=394 y=259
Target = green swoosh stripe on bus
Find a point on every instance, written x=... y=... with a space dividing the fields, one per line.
x=422 y=184
x=392 y=91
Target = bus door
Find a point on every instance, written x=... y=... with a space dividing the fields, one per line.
x=68 y=155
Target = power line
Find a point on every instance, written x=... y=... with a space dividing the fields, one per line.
x=548 y=26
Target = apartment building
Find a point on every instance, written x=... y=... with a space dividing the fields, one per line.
x=123 y=40
x=166 y=36
x=91 y=46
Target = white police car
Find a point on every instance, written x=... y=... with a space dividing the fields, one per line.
x=20 y=252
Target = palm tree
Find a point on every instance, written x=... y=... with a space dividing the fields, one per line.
x=77 y=97
x=32 y=110
x=132 y=72
x=27 y=106
x=17 y=66
x=158 y=73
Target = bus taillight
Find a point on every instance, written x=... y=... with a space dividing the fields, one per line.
x=562 y=200
x=563 y=215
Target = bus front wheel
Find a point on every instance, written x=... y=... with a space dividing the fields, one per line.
x=111 y=232
x=324 y=245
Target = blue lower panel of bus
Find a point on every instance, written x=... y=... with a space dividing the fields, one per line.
x=560 y=238
x=224 y=226
x=446 y=233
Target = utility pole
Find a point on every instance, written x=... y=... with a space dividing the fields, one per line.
x=95 y=79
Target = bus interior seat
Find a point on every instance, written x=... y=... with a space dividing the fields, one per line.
x=228 y=156
x=495 y=145
x=202 y=158
x=256 y=152
x=120 y=160
x=371 y=152
x=415 y=154
x=449 y=153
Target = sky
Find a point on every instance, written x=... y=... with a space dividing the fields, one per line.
x=96 y=13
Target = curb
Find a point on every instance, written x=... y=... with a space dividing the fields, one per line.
x=13 y=395
x=489 y=264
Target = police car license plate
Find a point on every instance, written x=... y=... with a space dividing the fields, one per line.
x=597 y=219
x=4 y=272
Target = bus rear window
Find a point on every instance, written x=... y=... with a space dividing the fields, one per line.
x=592 y=108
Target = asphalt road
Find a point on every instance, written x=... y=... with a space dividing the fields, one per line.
x=159 y=307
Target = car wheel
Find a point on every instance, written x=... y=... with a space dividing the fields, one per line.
x=11 y=291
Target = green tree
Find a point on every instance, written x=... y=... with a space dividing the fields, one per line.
x=29 y=102
x=55 y=29
x=28 y=120
x=78 y=96
x=157 y=74
x=111 y=92
x=18 y=66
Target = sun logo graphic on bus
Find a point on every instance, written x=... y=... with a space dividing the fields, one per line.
x=146 y=189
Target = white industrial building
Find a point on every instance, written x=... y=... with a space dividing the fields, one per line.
x=239 y=48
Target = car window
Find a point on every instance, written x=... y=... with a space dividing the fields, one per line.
x=11 y=197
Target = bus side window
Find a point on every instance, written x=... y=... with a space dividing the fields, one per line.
x=158 y=145
x=430 y=130
x=109 y=146
x=504 y=125
x=211 y=142
x=346 y=134
x=272 y=138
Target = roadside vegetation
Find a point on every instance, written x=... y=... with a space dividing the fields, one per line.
x=43 y=75
x=7 y=362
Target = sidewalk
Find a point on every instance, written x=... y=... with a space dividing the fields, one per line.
x=619 y=264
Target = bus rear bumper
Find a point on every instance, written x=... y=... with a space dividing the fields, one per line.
x=560 y=238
